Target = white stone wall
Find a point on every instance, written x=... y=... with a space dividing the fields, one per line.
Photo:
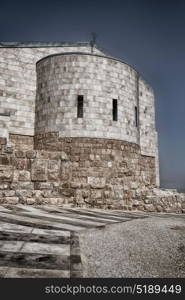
x=18 y=85
x=99 y=79
x=146 y=118
x=148 y=134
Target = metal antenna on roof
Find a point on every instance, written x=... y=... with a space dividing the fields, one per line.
x=93 y=40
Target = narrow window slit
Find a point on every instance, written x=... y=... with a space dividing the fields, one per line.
x=80 y=106
x=115 y=109
x=136 y=116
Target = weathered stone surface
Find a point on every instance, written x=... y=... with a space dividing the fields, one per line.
x=55 y=155
x=149 y=207
x=20 y=154
x=22 y=186
x=39 y=170
x=66 y=192
x=6 y=173
x=4 y=160
x=136 y=203
x=66 y=171
x=24 y=194
x=11 y=200
x=42 y=154
x=63 y=156
x=30 y=201
x=4 y=186
x=96 y=194
x=65 y=148
x=21 y=164
x=37 y=195
x=3 y=140
x=53 y=170
x=43 y=185
x=96 y=182
x=31 y=154
x=88 y=173
x=8 y=148
x=9 y=193
x=20 y=142
x=21 y=175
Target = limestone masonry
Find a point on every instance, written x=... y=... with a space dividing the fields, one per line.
x=77 y=127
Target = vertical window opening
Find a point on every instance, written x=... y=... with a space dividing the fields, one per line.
x=136 y=116
x=114 y=109
x=80 y=107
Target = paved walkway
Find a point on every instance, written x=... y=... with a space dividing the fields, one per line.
x=43 y=241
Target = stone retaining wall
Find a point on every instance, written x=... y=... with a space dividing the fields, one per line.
x=81 y=172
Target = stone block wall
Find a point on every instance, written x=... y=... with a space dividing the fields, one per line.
x=99 y=79
x=81 y=172
x=147 y=131
x=18 y=82
x=58 y=158
x=78 y=171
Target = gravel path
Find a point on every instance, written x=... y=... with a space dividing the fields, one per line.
x=150 y=247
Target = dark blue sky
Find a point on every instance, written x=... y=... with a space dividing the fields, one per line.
x=149 y=35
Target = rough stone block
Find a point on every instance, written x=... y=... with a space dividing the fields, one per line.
x=149 y=200
x=9 y=193
x=149 y=207
x=159 y=208
x=24 y=193
x=31 y=154
x=55 y=155
x=183 y=205
x=78 y=182
x=47 y=193
x=20 y=154
x=53 y=170
x=21 y=175
x=37 y=194
x=96 y=194
x=39 y=170
x=66 y=192
x=4 y=160
x=4 y=186
x=11 y=200
x=42 y=155
x=6 y=173
x=22 y=186
x=65 y=172
x=43 y=186
x=96 y=182
x=30 y=201
x=63 y=156
x=136 y=203
x=3 y=140
x=21 y=164
x=8 y=148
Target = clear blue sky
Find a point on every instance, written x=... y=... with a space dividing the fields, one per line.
x=149 y=35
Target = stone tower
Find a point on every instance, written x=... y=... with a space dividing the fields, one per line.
x=76 y=127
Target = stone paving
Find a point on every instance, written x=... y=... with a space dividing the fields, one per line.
x=42 y=241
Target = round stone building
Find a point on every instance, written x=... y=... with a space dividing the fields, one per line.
x=77 y=128
x=99 y=112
